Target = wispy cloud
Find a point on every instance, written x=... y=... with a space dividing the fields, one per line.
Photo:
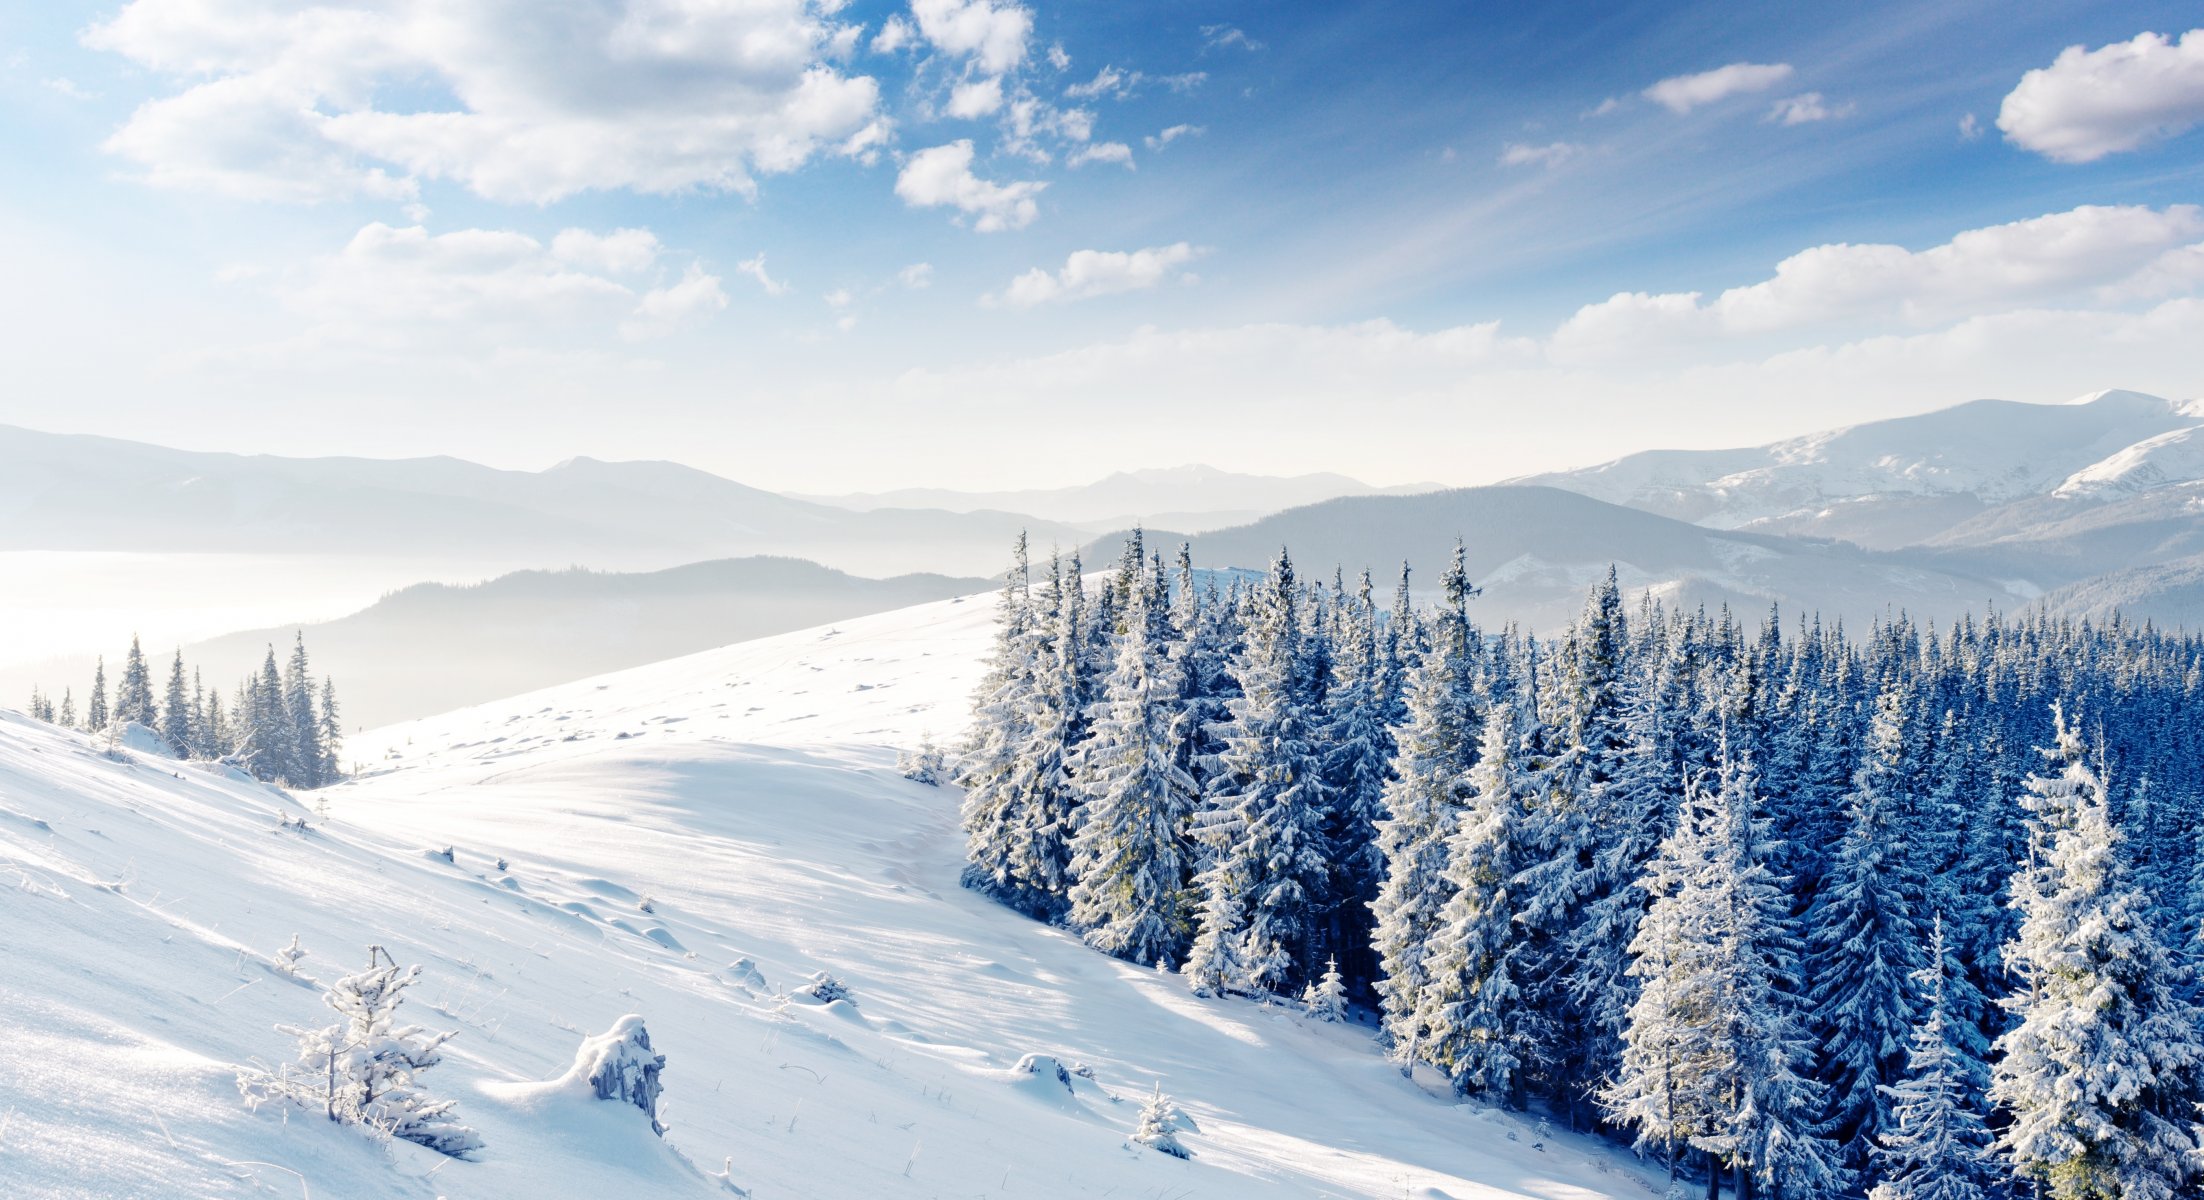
x=1682 y=93
x=1518 y=154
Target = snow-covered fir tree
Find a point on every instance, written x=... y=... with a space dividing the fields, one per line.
x=1473 y=1021
x=1266 y=811
x=1935 y=1146
x=1423 y=801
x=1158 y=1126
x=1866 y=937
x=364 y=1070
x=1326 y=999
x=2103 y=1074
x=1132 y=859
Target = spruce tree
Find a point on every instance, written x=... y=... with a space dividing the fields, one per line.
x=1473 y=1021
x=1266 y=811
x=1866 y=937
x=176 y=723
x=2103 y=1073
x=1132 y=858
x=134 y=695
x=1423 y=802
x=994 y=778
x=1935 y=1146
x=95 y=706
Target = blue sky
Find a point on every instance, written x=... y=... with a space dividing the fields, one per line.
x=986 y=243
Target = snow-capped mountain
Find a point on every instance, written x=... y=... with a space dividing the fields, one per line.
x=1535 y=550
x=1193 y=497
x=1904 y=481
x=688 y=842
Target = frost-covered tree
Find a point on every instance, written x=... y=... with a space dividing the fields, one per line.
x=1866 y=938
x=134 y=693
x=996 y=781
x=1472 y=1019
x=1935 y=1145
x=1358 y=761
x=1265 y=816
x=364 y=1069
x=1132 y=859
x=2104 y=1071
x=1423 y=802
x=1158 y=1128
x=176 y=722
x=95 y=706
x=1326 y=999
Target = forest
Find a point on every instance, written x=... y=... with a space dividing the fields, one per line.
x=279 y=725
x=1801 y=911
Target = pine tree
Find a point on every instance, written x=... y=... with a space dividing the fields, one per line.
x=1358 y=763
x=67 y=717
x=307 y=765
x=993 y=776
x=1326 y=999
x=134 y=696
x=1265 y=815
x=95 y=707
x=1935 y=1145
x=1159 y=1125
x=1866 y=938
x=1132 y=858
x=332 y=733
x=1473 y=1021
x=364 y=1069
x=1423 y=804
x=176 y=724
x=2104 y=1071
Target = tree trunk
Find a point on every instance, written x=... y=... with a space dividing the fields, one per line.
x=1714 y=1177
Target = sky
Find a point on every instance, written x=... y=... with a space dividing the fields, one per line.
x=984 y=244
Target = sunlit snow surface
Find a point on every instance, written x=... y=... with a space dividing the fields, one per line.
x=748 y=795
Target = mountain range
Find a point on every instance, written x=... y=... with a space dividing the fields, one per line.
x=1192 y=497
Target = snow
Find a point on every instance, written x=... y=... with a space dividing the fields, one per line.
x=749 y=793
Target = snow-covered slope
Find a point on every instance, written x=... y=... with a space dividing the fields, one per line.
x=748 y=795
x=1898 y=482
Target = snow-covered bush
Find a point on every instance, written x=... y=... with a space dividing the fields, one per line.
x=361 y=1070
x=925 y=765
x=825 y=989
x=287 y=959
x=1159 y=1126
x=620 y=1065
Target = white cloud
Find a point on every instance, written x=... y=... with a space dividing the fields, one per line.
x=942 y=177
x=993 y=35
x=1977 y=271
x=397 y=291
x=1609 y=107
x=621 y=252
x=1682 y=93
x=895 y=33
x=1160 y=140
x=680 y=306
x=1970 y=129
x=1090 y=273
x=1220 y=37
x=64 y=86
x=2090 y=103
x=915 y=276
x=1807 y=107
x=975 y=98
x=1517 y=154
x=1057 y=58
x=1109 y=81
x=1104 y=152
x=278 y=100
x=754 y=267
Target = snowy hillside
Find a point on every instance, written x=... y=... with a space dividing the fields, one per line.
x=689 y=841
x=1898 y=482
